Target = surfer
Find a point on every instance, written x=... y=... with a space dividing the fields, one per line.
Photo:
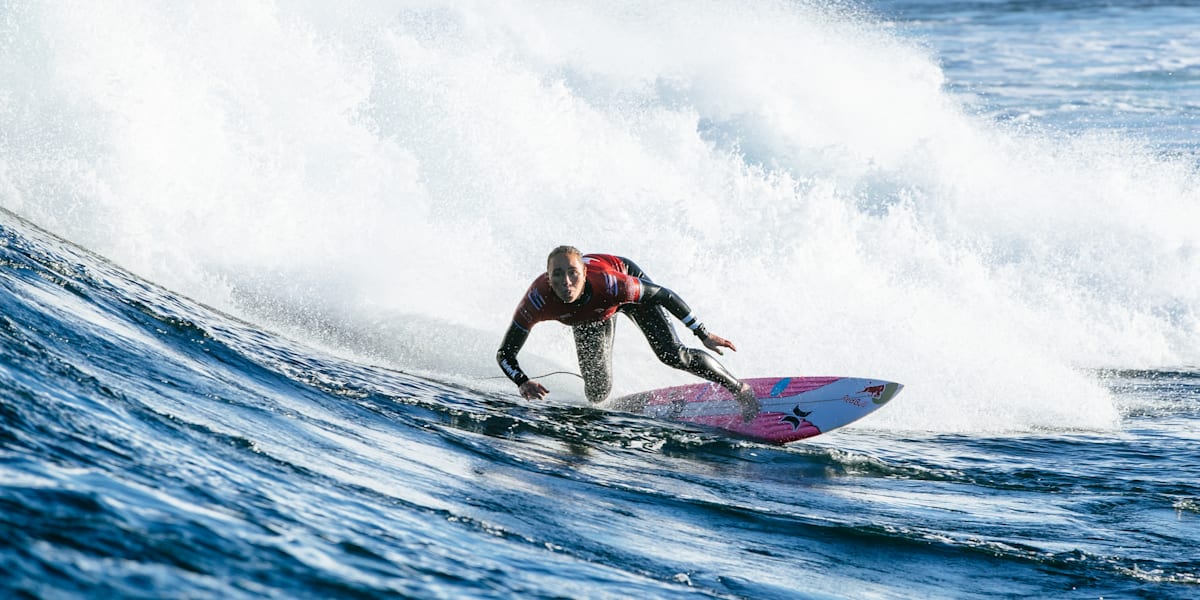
x=585 y=292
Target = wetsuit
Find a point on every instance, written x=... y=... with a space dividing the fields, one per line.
x=612 y=284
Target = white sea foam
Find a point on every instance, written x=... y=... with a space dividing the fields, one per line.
x=388 y=181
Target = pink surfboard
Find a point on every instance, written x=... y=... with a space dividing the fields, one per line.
x=791 y=408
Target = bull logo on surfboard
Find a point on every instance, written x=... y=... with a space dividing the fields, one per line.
x=874 y=390
x=880 y=393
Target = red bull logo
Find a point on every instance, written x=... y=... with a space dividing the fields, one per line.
x=875 y=391
x=854 y=401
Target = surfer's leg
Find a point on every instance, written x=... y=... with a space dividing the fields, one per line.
x=593 y=347
x=655 y=325
x=653 y=322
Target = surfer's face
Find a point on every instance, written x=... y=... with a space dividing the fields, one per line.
x=566 y=276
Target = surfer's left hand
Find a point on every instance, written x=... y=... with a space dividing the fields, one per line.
x=716 y=342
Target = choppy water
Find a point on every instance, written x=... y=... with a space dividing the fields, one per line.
x=315 y=222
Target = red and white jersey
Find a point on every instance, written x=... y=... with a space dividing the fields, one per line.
x=609 y=285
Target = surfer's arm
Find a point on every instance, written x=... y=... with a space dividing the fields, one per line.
x=514 y=340
x=658 y=295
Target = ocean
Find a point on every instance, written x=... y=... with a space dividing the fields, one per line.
x=256 y=259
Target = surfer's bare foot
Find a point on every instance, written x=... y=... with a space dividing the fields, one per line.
x=749 y=402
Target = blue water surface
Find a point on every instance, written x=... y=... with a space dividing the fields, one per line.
x=155 y=448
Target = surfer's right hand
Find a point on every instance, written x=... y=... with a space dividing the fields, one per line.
x=532 y=390
x=716 y=342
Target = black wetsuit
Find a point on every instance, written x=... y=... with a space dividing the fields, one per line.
x=594 y=340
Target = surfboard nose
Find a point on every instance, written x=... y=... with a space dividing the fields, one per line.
x=890 y=389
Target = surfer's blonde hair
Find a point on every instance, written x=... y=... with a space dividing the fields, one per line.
x=564 y=250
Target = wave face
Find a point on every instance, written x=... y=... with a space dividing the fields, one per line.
x=152 y=447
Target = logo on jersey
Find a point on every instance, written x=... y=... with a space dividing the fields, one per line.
x=610 y=283
x=536 y=299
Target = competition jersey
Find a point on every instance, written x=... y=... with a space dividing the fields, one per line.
x=608 y=286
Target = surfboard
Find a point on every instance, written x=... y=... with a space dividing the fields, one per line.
x=791 y=408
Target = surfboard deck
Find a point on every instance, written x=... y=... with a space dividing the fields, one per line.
x=791 y=408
